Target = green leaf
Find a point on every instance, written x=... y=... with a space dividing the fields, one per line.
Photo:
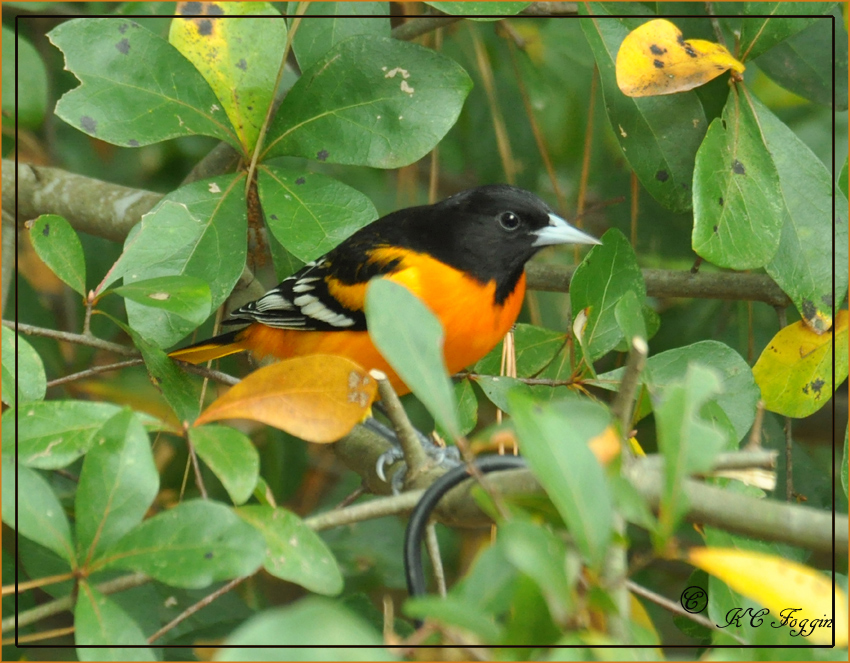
x=553 y=438
x=370 y=101
x=32 y=383
x=535 y=349
x=53 y=434
x=311 y=213
x=737 y=198
x=231 y=456
x=462 y=613
x=118 y=482
x=103 y=631
x=31 y=82
x=686 y=441
x=542 y=556
x=628 y=313
x=410 y=338
x=294 y=552
x=605 y=275
x=40 y=514
x=659 y=136
x=199 y=231
x=193 y=545
x=803 y=264
x=332 y=22
x=312 y=629
x=787 y=18
x=844 y=179
x=136 y=89
x=497 y=389
x=739 y=392
x=466 y=411
x=182 y=295
x=239 y=58
x=803 y=63
x=57 y=244
x=480 y=11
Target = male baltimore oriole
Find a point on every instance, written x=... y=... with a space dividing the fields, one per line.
x=464 y=257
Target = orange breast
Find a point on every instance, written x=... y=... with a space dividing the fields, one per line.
x=472 y=323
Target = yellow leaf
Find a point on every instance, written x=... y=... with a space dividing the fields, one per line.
x=655 y=59
x=318 y=398
x=781 y=586
x=794 y=372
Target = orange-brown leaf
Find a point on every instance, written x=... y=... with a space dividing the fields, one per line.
x=318 y=398
x=655 y=59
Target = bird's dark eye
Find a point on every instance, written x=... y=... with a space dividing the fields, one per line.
x=509 y=220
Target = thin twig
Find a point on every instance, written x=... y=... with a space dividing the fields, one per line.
x=37 y=582
x=204 y=372
x=37 y=637
x=415 y=27
x=67 y=602
x=624 y=403
x=585 y=159
x=677 y=609
x=68 y=337
x=755 y=433
x=191 y=610
x=199 y=479
x=95 y=370
x=715 y=24
x=376 y=508
x=433 y=547
x=414 y=454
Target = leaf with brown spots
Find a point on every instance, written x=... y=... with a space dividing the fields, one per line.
x=794 y=371
x=655 y=59
x=239 y=58
x=58 y=246
x=318 y=398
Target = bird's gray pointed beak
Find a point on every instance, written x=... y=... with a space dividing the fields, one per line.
x=560 y=232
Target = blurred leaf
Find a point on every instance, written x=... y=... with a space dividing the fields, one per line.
x=40 y=516
x=231 y=456
x=57 y=244
x=239 y=58
x=118 y=482
x=788 y=18
x=32 y=81
x=655 y=59
x=737 y=196
x=53 y=434
x=553 y=438
x=659 y=136
x=193 y=545
x=803 y=264
x=101 y=622
x=605 y=275
x=480 y=11
x=794 y=371
x=136 y=89
x=542 y=556
x=312 y=629
x=803 y=63
x=845 y=463
x=687 y=442
x=311 y=213
x=844 y=179
x=294 y=552
x=462 y=613
x=535 y=348
x=739 y=392
x=32 y=383
x=496 y=389
x=182 y=295
x=370 y=101
x=318 y=398
x=779 y=585
x=198 y=230
x=411 y=339
x=332 y=22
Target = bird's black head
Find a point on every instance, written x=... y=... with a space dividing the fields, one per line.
x=489 y=232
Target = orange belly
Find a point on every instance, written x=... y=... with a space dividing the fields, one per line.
x=472 y=324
